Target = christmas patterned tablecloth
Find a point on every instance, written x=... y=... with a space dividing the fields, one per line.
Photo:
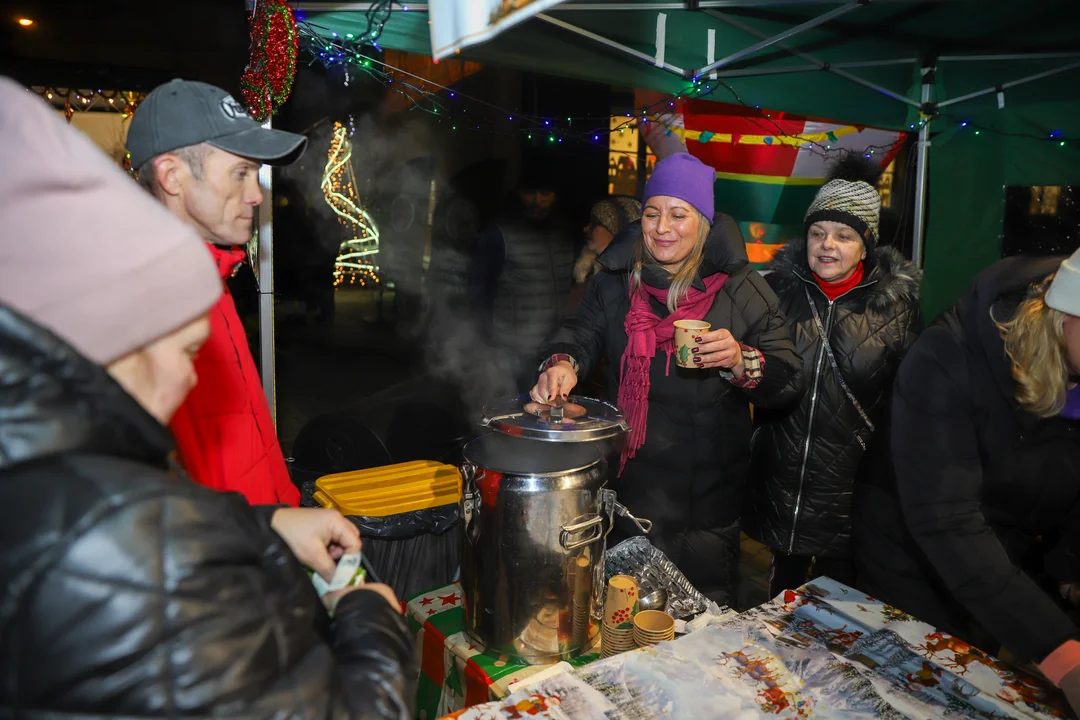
x=454 y=672
x=825 y=651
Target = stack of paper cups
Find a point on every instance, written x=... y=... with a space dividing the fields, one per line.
x=582 y=584
x=620 y=607
x=653 y=626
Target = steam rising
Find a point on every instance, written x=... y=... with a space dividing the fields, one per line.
x=394 y=170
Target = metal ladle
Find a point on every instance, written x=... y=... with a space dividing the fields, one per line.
x=656 y=600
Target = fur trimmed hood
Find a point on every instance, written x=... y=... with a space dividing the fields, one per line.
x=896 y=279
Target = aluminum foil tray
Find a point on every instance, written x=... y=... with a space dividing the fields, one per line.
x=638 y=558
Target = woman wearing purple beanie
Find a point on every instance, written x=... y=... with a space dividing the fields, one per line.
x=686 y=459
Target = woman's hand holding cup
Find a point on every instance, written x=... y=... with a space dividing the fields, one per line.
x=719 y=349
x=555 y=382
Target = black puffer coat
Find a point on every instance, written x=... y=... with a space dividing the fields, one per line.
x=688 y=477
x=807 y=458
x=129 y=591
x=981 y=487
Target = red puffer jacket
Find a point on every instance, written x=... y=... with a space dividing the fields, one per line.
x=223 y=431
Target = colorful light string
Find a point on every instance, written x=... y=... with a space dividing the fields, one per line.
x=84 y=100
x=331 y=51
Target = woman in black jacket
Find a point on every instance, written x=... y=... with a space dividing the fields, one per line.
x=986 y=445
x=686 y=459
x=841 y=285
x=128 y=590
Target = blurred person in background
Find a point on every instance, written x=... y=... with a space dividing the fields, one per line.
x=199 y=152
x=853 y=308
x=607 y=218
x=978 y=534
x=130 y=591
x=522 y=271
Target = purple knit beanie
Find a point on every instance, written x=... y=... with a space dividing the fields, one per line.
x=685 y=177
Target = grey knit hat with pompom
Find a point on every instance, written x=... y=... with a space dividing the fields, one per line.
x=850 y=197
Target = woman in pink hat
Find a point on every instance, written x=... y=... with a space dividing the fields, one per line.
x=130 y=591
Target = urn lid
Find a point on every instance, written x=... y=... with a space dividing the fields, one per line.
x=576 y=419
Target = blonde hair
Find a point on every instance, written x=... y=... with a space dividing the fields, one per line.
x=1035 y=343
x=681 y=280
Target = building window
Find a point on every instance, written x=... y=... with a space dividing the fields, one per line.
x=1041 y=220
x=1044 y=200
x=885 y=184
x=625 y=151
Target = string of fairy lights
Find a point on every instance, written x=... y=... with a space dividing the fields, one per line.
x=463 y=112
x=83 y=100
x=351 y=53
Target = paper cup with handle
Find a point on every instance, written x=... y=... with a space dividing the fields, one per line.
x=686 y=334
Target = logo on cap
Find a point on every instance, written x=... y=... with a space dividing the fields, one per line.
x=232 y=109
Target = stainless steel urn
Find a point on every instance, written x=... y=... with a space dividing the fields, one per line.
x=536 y=517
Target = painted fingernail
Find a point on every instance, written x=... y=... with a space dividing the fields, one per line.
x=697 y=339
x=695 y=350
x=698 y=360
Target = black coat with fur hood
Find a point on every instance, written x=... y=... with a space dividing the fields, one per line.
x=808 y=457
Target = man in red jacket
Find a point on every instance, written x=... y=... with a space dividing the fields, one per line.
x=198 y=151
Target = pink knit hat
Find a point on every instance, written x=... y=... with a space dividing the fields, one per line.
x=84 y=251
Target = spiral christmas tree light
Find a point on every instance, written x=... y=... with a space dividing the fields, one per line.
x=356 y=260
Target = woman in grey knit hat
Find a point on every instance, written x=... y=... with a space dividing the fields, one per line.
x=853 y=307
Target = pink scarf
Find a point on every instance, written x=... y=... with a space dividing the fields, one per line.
x=646 y=333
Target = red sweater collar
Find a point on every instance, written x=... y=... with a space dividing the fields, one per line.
x=835 y=290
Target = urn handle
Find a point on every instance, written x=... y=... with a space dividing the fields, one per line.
x=591 y=530
x=470 y=502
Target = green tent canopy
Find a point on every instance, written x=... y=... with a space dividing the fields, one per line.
x=855 y=61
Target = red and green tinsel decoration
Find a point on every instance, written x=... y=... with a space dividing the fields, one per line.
x=268 y=78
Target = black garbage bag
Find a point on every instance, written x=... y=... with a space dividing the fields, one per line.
x=416 y=551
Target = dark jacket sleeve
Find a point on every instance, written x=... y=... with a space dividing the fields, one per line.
x=374 y=653
x=768 y=333
x=581 y=335
x=939 y=479
x=186 y=604
x=909 y=324
x=486 y=266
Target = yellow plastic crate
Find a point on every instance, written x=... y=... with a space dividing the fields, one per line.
x=391 y=489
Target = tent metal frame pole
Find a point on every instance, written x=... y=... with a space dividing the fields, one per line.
x=922 y=174
x=787 y=34
x=813 y=60
x=355 y=6
x=993 y=58
x=713 y=4
x=791 y=69
x=265 y=246
x=317 y=6
x=1010 y=84
x=611 y=44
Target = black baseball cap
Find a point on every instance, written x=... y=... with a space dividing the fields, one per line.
x=186 y=112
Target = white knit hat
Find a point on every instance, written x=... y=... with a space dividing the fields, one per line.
x=1064 y=292
x=854 y=203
